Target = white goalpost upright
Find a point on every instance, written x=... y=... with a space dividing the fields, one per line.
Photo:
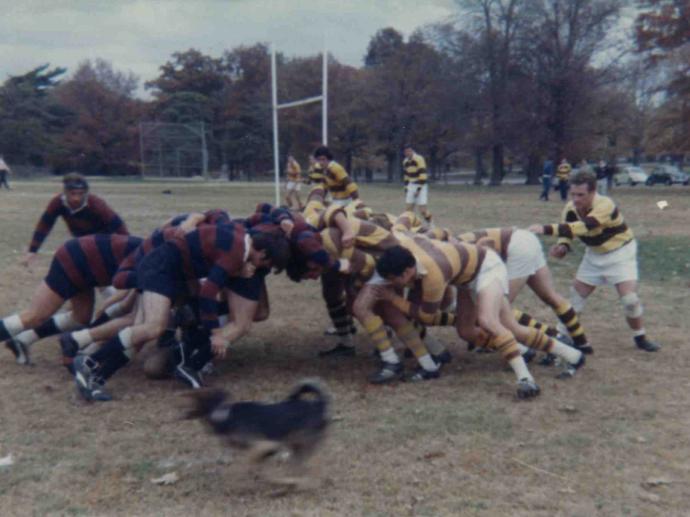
x=323 y=99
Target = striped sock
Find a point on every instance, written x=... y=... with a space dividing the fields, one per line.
x=377 y=332
x=526 y=320
x=569 y=318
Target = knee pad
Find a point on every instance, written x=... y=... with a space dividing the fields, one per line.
x=631 y=305
x=577 y=300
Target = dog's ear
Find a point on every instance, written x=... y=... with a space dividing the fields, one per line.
x=204 y=402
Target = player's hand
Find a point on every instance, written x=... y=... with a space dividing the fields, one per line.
x=345 y=266
x=537 y=228
x=384 y=293
x=248 y=270
x=287 y=226
x=28 y=259
x=558 y=251
x=219 y=345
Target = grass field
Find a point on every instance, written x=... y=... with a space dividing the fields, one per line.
x=461 y=445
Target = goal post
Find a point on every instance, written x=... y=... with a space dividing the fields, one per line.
x=323 y=99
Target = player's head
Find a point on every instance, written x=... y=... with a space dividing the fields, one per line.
x=583 y=188
x=75 y=188
x=269 y=250
x=323 y=155
x=397 y=265
x=408 y=151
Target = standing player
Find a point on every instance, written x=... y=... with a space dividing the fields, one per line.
x=416 y=187
x=338 y=183
x=293 y=184
x=84 y=214
x=4 y=172
x=563 y=175
x=611 y=253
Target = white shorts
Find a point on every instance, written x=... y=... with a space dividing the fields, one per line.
x=341 y=202
x=525 y=256
x=293 y=185
x=492 y=270
x=609 y=268
x=414 y=198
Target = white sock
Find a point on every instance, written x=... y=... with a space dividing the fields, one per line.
x=65 y=322
x=83 y=337
x=13 y=324
x=389 y=356
x=520 y=368
x=562 y=329
x=566 y=352
x=125 y=336
x=28 y=337
x=428 y=363
x=523 y=349
x=114 y=310
x=640 y=332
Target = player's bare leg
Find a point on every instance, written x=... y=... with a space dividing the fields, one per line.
x=627 y=291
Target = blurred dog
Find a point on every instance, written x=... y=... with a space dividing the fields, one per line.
x=297 y=424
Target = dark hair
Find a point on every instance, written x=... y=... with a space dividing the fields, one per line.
x=407 y=146
x=276 y=249
x=75 y=181
x=395 y=261
x=323 y=151
x=296 y=268
x=584 y=178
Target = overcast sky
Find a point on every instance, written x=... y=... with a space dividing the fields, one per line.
x=140 y=35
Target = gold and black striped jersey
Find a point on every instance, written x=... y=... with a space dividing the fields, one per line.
x=415 y=169
x=315 y=174
x=339 y=183
x=294 y=172
x=563 y=171
x=439 y=264
x=409 y=221
x=602 y=228
x=497 y=239
x=370 y=242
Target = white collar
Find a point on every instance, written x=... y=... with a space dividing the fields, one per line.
x=247 y=246
x=421 y=270
x=79 y=208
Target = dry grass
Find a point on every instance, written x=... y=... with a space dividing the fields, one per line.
x=461 y=445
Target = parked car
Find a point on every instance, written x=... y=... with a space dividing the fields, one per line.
x=667 y=175
x=630 y=175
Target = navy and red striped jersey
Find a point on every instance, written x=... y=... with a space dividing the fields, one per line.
x=303 y=239
x=93 y=260
x=217 y=253
x=126 y=276
x=94 y=216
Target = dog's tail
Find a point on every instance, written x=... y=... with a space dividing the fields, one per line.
x=204 y=402
x=311 y=386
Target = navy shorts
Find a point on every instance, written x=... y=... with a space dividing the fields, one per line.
x=59 y=282
x=249 y=288
x=161 y=272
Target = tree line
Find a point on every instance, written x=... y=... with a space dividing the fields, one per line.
x=504 y=83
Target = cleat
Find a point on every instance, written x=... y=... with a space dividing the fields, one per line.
x=585 y=349
x=547 y=360
x=569 y=370
x=565 y=339
x=407 y=354
x=332 y=331
x=70 y=349
x=340 y=350
x=98 y=391
x=527 y=389
x=420 y=374
x=388 y=373
x=208 y=369
x=188 y=376
x=528 y=355
x=642 y=344
x=444 y=357
x=84 y=368
x=20 y=351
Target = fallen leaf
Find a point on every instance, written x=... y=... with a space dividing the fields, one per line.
x=568 y=409
x=648 y=496
x=167 y=479
x=434 y=455
x=662 y=204
x=6 y=461
x=651 y=482
x=641 y=439
x=567 y=491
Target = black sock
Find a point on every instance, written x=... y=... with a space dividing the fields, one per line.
x=4 y=335
x=47 y=328
x=111 y=357
x=640 y=339
x=103 y=318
